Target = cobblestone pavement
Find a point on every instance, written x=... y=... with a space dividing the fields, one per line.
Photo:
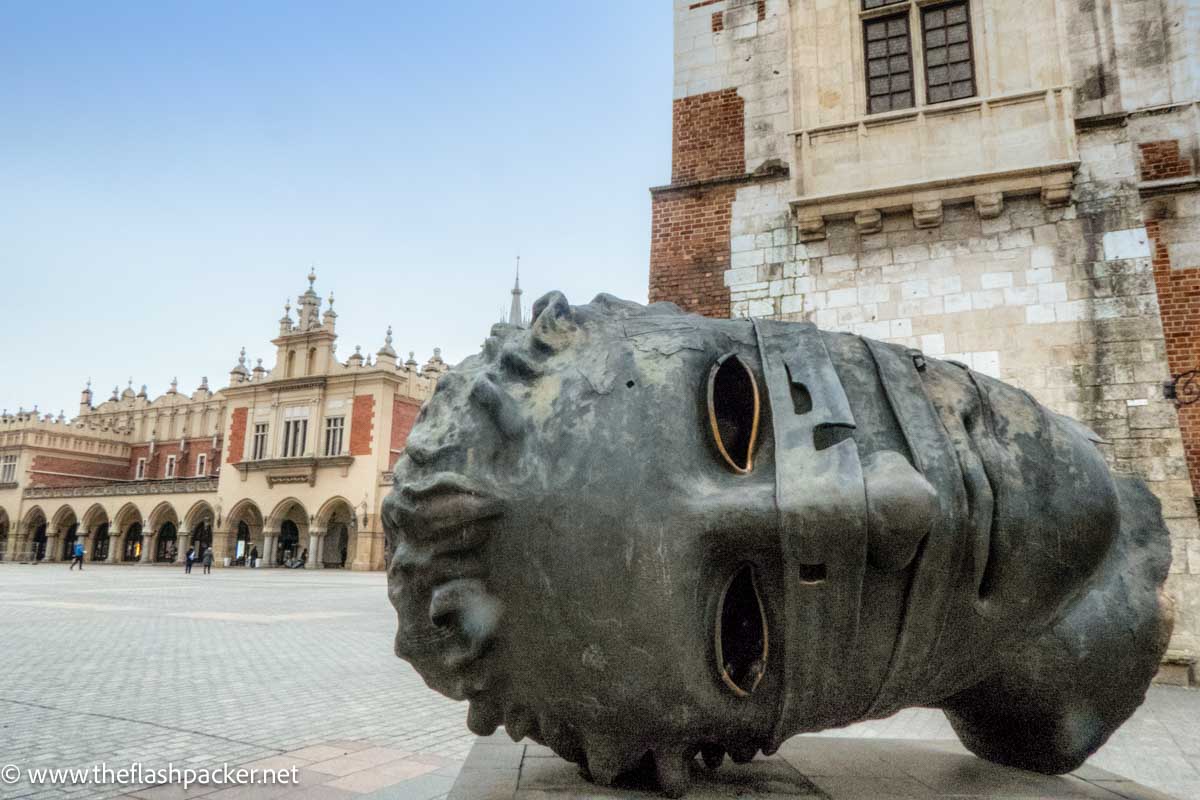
x=277 y=668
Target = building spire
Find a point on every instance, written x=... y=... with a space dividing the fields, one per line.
x=515 y=315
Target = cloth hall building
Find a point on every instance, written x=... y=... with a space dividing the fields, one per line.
x=1011 y=185
x=291 y=461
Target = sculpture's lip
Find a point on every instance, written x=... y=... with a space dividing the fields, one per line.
x=446 y=500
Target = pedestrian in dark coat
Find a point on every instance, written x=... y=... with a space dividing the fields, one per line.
x=208 y=559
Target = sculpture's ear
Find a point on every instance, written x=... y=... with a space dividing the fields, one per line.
x=553 y=322
x=734 y=410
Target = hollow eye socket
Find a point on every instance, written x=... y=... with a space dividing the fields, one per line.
x=741 y=638
x=733 y=412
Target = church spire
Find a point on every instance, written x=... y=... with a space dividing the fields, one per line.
x=515 y=315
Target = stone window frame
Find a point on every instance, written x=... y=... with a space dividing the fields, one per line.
x=139 y=473
x=295 y=432
x=915 y=11
x=259 y=442
x=925 y=12
x=888 y=20
x=201 y=465
x=171 y=462
x=8 y=468
x=335 y=434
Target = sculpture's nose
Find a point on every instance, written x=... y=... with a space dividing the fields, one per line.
x=465 y=609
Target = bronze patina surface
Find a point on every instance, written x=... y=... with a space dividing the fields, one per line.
x=638 y=536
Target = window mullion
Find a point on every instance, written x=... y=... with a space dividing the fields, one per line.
x=920 y=78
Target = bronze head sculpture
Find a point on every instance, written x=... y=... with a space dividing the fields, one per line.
x=636 y=535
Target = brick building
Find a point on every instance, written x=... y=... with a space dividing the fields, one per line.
x=1010 y=185
x=291 y=459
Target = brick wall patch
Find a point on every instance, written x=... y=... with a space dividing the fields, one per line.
x=689 y=249
x=404 y=416
x=1163 y=160
x=362 y=425
x=708 y=133
x=1179 y=307
x=237 y=435
x=58 y=472
x=690 y=223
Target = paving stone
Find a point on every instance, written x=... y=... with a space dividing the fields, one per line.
x=122 y=665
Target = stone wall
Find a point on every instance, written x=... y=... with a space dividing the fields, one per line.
x=729 y=129
x=1051 y=279
x=1059 y=301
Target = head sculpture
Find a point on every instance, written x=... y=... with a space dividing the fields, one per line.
x=636 y=535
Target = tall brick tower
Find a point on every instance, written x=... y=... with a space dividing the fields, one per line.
x=1009 y=185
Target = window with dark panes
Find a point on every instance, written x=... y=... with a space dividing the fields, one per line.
x=889 y=64
x=949 y=66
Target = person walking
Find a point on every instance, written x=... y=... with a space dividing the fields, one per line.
x=208 y=559
x=77 y=556
x=254 y=557
x=188 y=559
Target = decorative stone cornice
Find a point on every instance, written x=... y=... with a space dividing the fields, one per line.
x=293 y=470
x=179 y=486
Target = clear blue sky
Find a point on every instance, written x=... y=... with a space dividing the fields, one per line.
x=169 y=171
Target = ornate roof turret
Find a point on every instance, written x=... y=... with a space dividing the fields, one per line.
x=386 y=357
x=330 y=317
x=285 y=322
x=260 y=371
x=387 y=349
x=308 y=305
x=435 y=365
x=411 y=365
x=239 y=373
x=356 y=360
x=115 y=395
x=143 y=393
x=128 y=393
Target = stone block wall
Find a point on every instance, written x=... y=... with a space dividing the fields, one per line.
x=1059 y=301
x=1081 y=293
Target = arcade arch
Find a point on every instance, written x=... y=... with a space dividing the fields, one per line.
x=338 y=526
x=33 y=536
x=162 y=545
x=286 y=533
x=129 y=524
x=96 y=525
x=198 y=527
x=245 y=532
x=66 y=528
